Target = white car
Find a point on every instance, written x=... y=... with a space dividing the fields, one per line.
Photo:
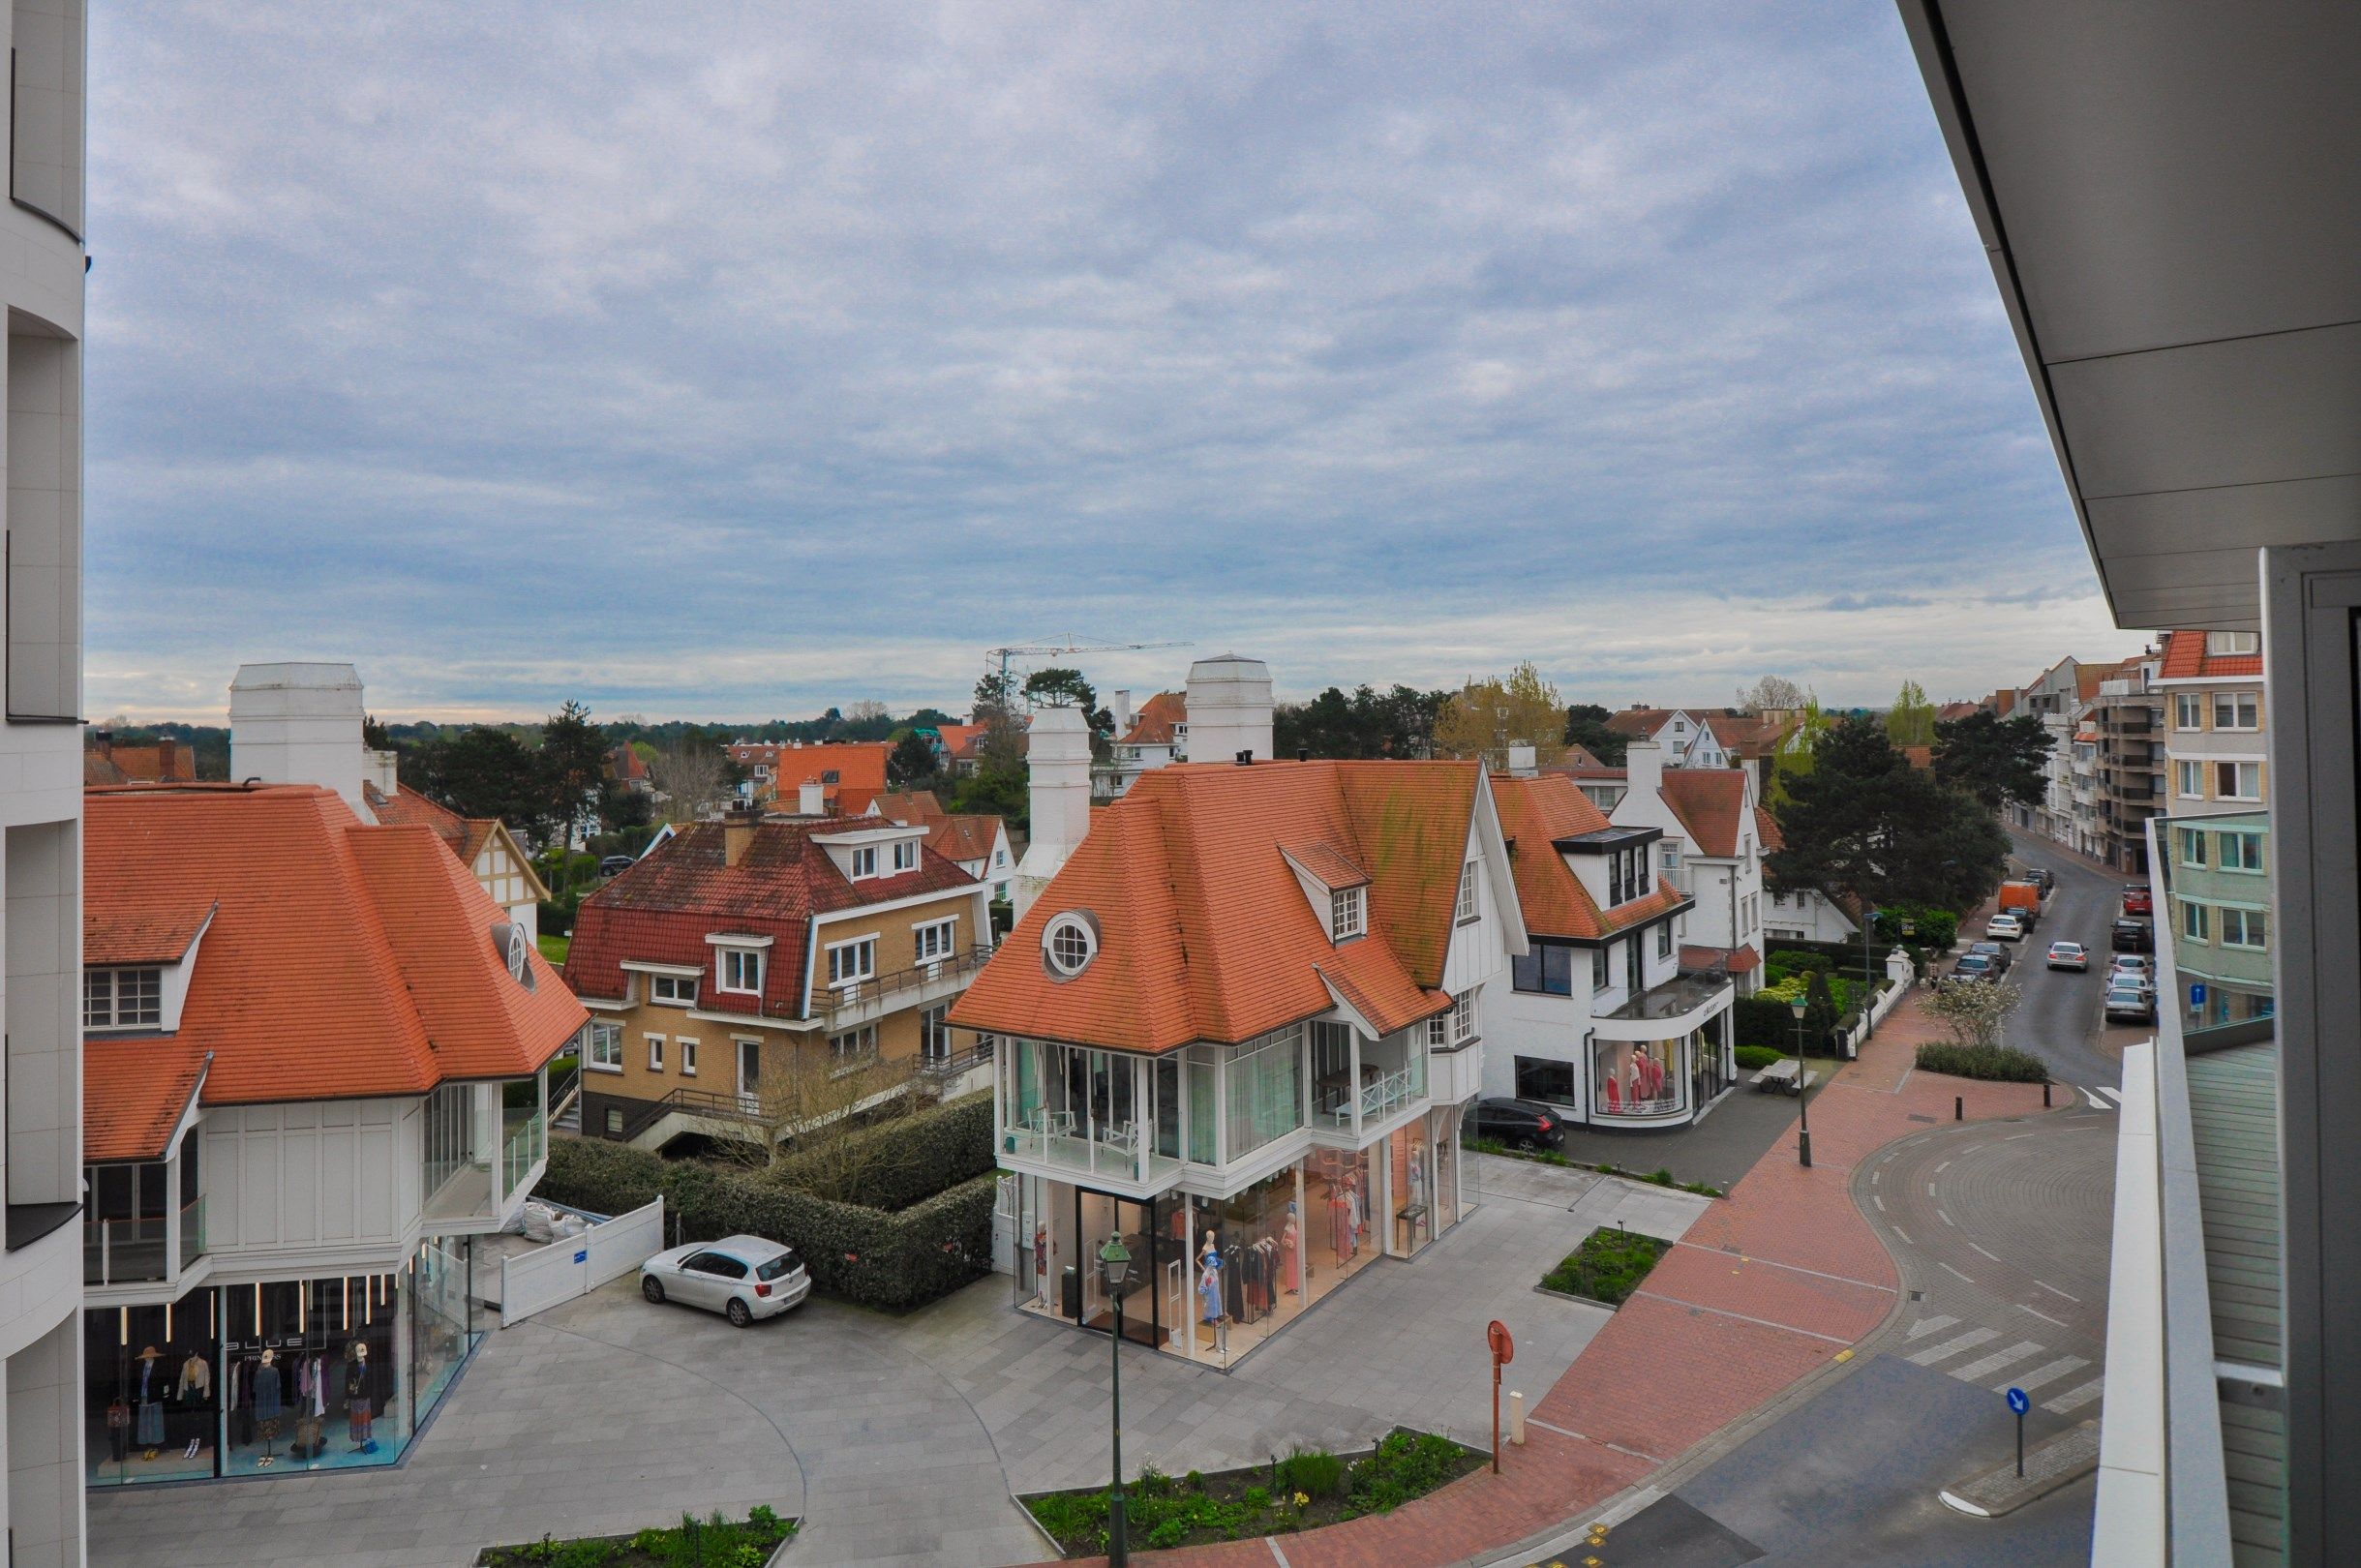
x=2005 y=928
x=742 y=1278
x=2068 y=956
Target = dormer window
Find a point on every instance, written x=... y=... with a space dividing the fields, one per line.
x=122 y=998
x=905 y=855
x=741 y=969
x=1068 y=944
x=1348 y=912
x=865 y=860
x=515 y=948
x=674 y=990
x=1681 y=727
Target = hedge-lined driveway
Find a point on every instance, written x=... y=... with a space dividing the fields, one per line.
x=900 y=1439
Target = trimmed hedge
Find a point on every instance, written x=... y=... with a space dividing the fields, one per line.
x=1755 y=1058
x=872 y=1257
x=916 y=1157
x=2000 y=1064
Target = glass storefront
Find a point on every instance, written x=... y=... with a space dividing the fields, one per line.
x=285 y=1375
x=1637 y=1077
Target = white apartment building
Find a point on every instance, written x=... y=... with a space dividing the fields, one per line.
x=1156 y=737
x=1710 y=849
x=1684 y=734
x=2216 y=746
x=41 y=776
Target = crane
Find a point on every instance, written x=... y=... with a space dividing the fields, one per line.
x=1071 y=644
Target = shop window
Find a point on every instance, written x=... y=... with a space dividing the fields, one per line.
x=1264 y=1081
x=1636 y=1077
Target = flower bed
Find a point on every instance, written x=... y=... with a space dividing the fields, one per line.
x=1607 y=1267
x=1307 y=1488
x=693 y=1543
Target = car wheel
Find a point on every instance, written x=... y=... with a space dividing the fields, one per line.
x=737 y=1313
x=653 y=1288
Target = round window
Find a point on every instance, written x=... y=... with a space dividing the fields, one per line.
x=1068 y=944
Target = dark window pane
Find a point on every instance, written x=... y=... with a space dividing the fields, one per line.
x=1539 y=1078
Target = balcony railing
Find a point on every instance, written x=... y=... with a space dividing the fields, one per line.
x=192 y=1231
x=524 y=1143
x=716 y=1105
x=842 y=999
x=953 y=1063
x=119 y=1251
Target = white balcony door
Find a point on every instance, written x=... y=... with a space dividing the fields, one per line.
x=749 y=1072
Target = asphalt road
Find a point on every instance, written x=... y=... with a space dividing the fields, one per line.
x=2059 y=1019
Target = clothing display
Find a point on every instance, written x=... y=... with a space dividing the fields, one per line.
x=151 y=1424
x=266 y=1392
x=196 y=1378
x=1288 y=1240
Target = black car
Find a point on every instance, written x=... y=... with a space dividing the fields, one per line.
x=614 y=866
x=2042 y=877
x=1520 y=1124
x=2133 y=936
x=1994 y=951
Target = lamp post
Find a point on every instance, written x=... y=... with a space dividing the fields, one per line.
x=1803 y=1140
x=1115 y=1275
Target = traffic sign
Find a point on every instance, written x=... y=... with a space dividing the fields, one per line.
x=2197 y=994
x=2017 y=1401
x=1503 y=1348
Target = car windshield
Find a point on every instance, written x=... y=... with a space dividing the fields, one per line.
x=2123 y=993
x=784 y=1264
x=2064 y=950
x=1975 y=960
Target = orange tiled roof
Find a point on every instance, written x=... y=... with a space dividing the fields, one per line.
x=1709 y=801
x=859 y=767
x=1152 y=725
x=1752 y=735
x=1535 y=814
x=1766 y=830
x=341 y=960
x=958 y=838
x=1639 y=722
x=1739 y=959
x=134 y=1092
x=1204 y=931
x=1326 y=864
x=166 y=762
x=407 y=807
x=2186 y=659
x=959 y=740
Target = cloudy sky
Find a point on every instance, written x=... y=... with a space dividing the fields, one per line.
x=796 y=354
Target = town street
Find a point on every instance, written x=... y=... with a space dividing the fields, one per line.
x=2059 y=1019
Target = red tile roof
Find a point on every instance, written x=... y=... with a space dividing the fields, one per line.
x=1204 y=931
x=2186 y=659
x=407 y=807
x=1766 y=831
x=1709 y=801
x=340 y=960
x=1326 y=864
x=859 y=767
x=1535 y=813
x=1738 y=959
x=661 y=910
x=1152 y=725
x=166 y=762
x=959 y=740
x=134 y=1092
x=1752 y=735
x=1641 y=722
x=958 y=838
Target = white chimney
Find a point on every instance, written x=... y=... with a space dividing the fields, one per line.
x=1521 y=760
x=298 y=724
x=1120 y=709
x=1230 y=709
x=382 y=771
x=811 y=798
x=1057 y=768
x=1643 y=768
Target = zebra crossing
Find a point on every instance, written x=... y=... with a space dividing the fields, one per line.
x=2002 y=1368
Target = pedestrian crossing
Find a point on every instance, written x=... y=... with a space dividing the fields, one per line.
x=1972 y=1357
x=2105 y=1099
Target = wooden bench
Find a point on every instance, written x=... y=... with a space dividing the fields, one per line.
x=1780 y=1075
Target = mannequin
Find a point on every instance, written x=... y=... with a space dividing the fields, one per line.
x=266 y=1405
x=151 y=1400
x=1209 y=1298
x=196 y=1377
x=1041 y=1264
x=358 y=1406
x=1289 y=1237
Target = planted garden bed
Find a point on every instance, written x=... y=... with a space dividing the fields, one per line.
x=1607 y=1267
x=1302 y=1492
x=693 y=1543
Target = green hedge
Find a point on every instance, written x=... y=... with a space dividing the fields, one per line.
x=1769 y=1023
x=2001 y=1064
x=911 y=1158
x=1755 y=1058
x=1796 y=960
x=872 y=1257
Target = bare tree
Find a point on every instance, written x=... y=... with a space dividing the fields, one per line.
x=861 y=713
x=692 y=777
x=1973 y=1011
x=1771 y=692
x=813 y=1114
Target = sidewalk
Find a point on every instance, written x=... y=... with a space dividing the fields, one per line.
x=1771 y=1284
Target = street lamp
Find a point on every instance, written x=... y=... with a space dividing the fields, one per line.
x=1804 y=1142
x=1115 y=1276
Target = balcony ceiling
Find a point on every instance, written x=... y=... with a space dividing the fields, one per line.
x=2170 y=198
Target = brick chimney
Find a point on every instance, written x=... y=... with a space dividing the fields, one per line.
x=738 y=825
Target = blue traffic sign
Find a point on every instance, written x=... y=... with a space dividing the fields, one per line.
x=2017 y=1401
x=2197 y=994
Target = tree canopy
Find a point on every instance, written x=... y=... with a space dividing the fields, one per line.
x=1911 y=720
x=1368 y=723
x=1587 y=727
x=1865 y=822
x=911 y=761
x=1997 y=761
x=1067 y=688
x=1771 y=692
x=1484 y=717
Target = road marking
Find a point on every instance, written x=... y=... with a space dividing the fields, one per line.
x=1930 y=1190
x=1930 y=1325
x=1955 y=1273
x=1792 y=1268
x=1765 y=1322
x=2055 y=1291
x=2013 y=1136
x=1272 y=1542
x=2050 y=1372
x=1976 y=1372
x=2043 y=1315
x=2074 y=1398
x=1986 y=1252
x=1951 y=1347
x=1945 y=1218
x=1879 y=1201
x=2096 y=1103
x=1905 y=1235
x=1875 y=1176
x=1940 y=1169
x=2114 y=1096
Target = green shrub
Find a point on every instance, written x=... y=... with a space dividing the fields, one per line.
x=1608 y=1266
x=915 y=1157
x=1313 y=1472
x=1755 y=1058
x=1407 y=1465
x=2000 y=1064
x=1795 y=960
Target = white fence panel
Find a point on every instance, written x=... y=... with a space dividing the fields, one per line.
x=536 y=1281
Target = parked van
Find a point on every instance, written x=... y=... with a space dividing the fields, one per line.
x=2022 y=899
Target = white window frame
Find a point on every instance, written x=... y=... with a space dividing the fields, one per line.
x=2236 y=859
x=2197 y=923
x=688 y=1055
x=2239 y=924
x=931 y=940
x=852 y=1057
x=934 y=1026
x=863 y=861
x=2192 y=848
x=1467 y=900
x=2232 y=644
x=1348 y=913
x=905 y=855
x=2188 y=779
x=656 y=1053
x=1056 y=951
x=2245 y=711
x=1664 y=939
x=2238 y=778
x=665 y=990
x=860 y=963
x=602 y=1051
x=142 y=1014
x=742 y=960
x=2187 y=711
x=1462 y=1016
